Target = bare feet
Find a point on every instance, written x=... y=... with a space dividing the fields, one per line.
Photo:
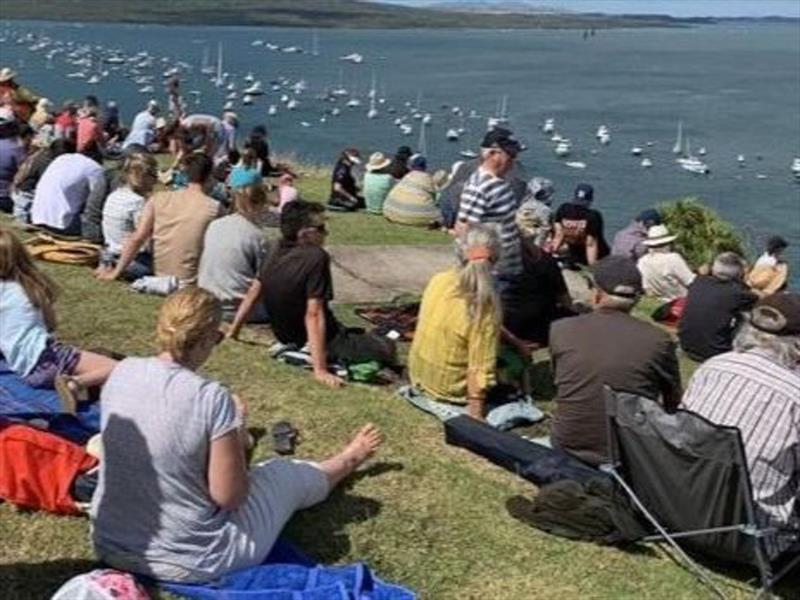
x=364 y=444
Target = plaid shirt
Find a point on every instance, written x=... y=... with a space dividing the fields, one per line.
x=750 y=391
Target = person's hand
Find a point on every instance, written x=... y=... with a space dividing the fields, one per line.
x=325 y=377
x=106 y=273
x=241 y=405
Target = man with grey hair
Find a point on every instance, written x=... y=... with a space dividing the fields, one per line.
x=714 y=308
x=756 y=388
x=607 y=347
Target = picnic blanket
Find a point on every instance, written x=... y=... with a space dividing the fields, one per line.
x=288 y=574
x=400 y=318
x=20 y=402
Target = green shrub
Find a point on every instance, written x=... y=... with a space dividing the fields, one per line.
x=702 y=233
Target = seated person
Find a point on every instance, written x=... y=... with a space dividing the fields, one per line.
x=176 y=222
x=287 y=192
x=454 y=352
x=770 y=273
x=665 y=274
x=247 y=171
x=175 y=499
x=756 y=388
x=344 y=189
x=378 y=181
x=122 y=213
x=714 y=308
x=64 y=190
x=30 y=172
x=234 y=250
x=535 y=215
x=539 y=297
x=579 y=229
x=412 y=201
x=629 y=241
x=296 y=286
x=607 y=347
x=28 y=323
x=399 y=163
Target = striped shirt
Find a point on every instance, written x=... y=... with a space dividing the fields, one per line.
x=750 y=391
x=487 y=198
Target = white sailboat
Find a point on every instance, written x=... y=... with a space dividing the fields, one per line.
x=218 y=81
x=692 y=163
x=549 y=125
x=373 y=93
x=678 y=147
x=795 y=168
x=314 y=43
x=422 y=142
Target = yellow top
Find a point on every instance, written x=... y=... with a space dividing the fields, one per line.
x=448 y=348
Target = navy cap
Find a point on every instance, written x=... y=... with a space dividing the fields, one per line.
x=649 y=217
x=502 y=138
x=618 y=275
x=584 y=194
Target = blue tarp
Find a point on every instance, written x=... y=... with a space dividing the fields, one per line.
x=19 y=401
x=287 y=574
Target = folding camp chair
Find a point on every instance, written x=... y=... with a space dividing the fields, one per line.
x=689 y=478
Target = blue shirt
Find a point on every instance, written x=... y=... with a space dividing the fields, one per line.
x=24 y=332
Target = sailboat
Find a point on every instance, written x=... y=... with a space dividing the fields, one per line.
x=422 y=142
x=678 y=147
x=218 y=80
x=314 y=43
x=691 y=163
x=372 y=112
x=501 y=117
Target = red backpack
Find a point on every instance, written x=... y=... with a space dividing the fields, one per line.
x=37 y=468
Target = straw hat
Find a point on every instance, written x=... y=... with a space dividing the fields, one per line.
x=6 y=74
x=658 y=235
x=377 y=161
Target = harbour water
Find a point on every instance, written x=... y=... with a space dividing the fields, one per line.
x=735 y=88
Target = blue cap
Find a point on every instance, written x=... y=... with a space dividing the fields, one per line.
x=649 y=217
x=584 y=194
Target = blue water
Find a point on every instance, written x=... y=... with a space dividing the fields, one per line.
x=735 y=87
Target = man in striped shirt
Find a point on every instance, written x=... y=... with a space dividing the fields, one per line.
x=488 y=197
x=756 y=388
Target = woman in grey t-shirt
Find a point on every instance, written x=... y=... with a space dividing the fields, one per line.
x=176 y=500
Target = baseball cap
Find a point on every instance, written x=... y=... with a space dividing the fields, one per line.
x=778 y=314
x=541 y=188
x=584 y=194
x=502 y=138
x=649 y=217
x=619 y=276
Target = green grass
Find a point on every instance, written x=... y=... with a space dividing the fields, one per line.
x=433 y=517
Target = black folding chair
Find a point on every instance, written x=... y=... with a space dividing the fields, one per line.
x=689 y=478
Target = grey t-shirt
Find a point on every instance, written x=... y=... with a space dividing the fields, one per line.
x=152 y=512
x=233 y=251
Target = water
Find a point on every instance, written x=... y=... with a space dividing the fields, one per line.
x=735 y=87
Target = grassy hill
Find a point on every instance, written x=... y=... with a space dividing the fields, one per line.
x=308 y=13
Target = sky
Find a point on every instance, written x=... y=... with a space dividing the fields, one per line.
x=677 y=8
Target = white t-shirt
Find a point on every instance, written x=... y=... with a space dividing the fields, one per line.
x=665 y=275
x=63 y=189
x=121 y=214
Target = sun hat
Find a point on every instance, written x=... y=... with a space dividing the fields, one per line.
x=658 y=235
x=619 y=276
x=377 y=161
x=584 y=194
x=649 y=217
x=778 y=314
x=504 y=139
x=6 y=74
x=161 y=122
x=151 y=104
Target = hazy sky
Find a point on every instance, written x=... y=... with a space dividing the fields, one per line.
x=678 y=8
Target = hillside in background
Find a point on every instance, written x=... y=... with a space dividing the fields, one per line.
x=305 y=13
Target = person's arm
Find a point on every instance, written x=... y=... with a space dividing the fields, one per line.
x=133 y=244
x=779 y=278
x=592 y=250
x=228 y=481
x=682 y=271
x=315 y=330
x=250 y=299
x=481 y=366
x=558 y=237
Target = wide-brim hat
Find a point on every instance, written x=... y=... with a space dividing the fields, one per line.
x=778 y=314
x=658 y=235
x=7 y=74
x=378 y=160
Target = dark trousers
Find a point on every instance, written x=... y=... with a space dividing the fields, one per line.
x=351 y=346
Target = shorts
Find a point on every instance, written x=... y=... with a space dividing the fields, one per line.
x=56 y=359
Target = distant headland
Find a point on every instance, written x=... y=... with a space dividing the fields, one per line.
x=316 y=13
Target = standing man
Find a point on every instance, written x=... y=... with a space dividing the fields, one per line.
x=488 y=197
x=607 y=347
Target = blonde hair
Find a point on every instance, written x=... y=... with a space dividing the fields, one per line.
x=135 y=170
x=249 y=201
x=185 y=319
x=476 y=281
x=17 y=265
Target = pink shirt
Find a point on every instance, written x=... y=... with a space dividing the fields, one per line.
x=286 y=194
x=89 y=130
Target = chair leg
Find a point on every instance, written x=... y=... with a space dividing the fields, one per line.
x=692 y=565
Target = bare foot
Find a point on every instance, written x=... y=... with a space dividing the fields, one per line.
x=363 y=445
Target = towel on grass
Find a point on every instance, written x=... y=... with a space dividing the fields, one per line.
x=21 y=402
x=287 y=574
